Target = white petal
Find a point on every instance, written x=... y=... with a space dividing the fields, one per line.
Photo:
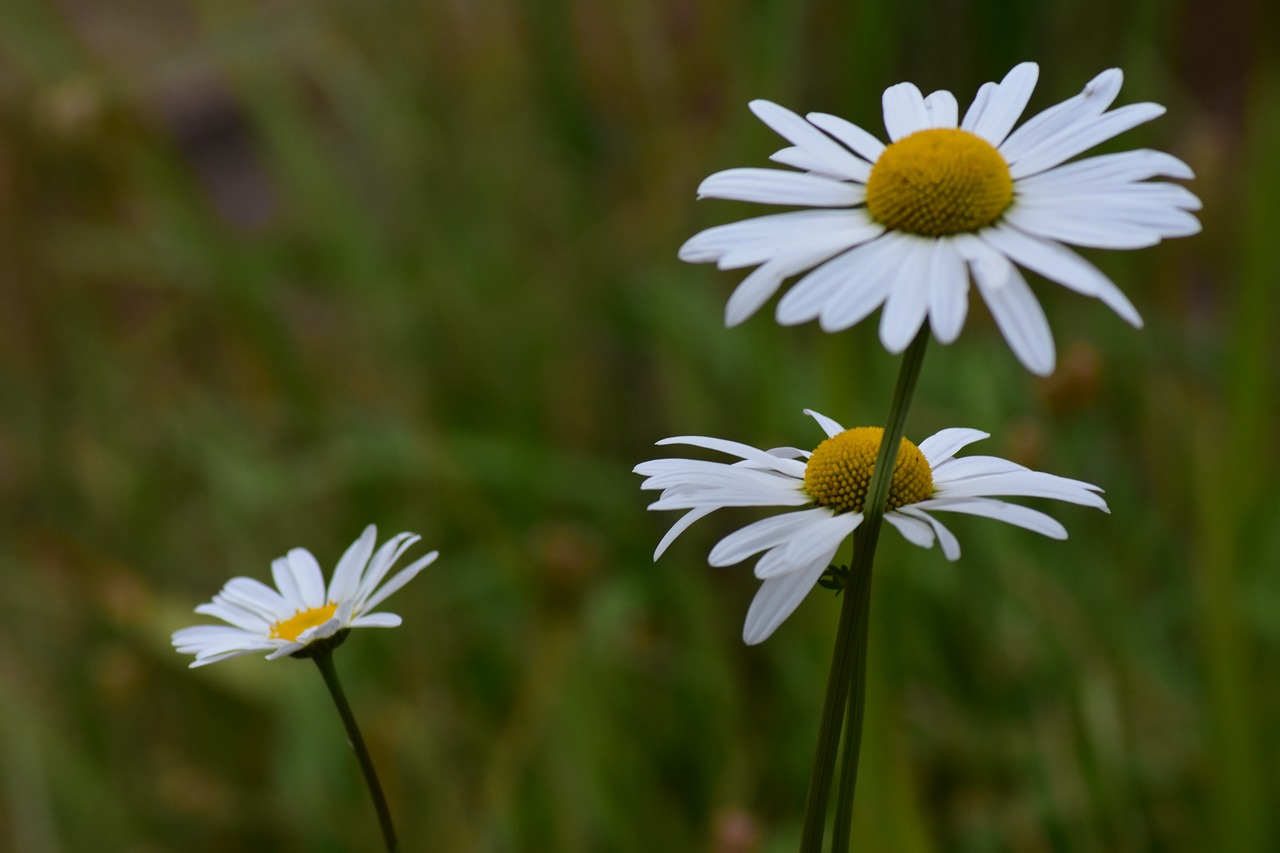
x=858 y=140
x=942 y=109
x=377 y=620
x=821 y=537
x=308 y=577
x=942 y=445
x=763 y=535
x=1004 y=104
x=908 y=303
x=830 y=282
x=1098 y=94
x=679 y=527
x=977 y=109
x=382 y=561
x=737 y=448
x=904 y=110
x=948 y=292
x=1092 y=232
x=1121 y=168
x=1057 y=262
x=1105 y=197
x=255 y=596
x=973 y=466
x=829 y=426
x=1019 y=516
x=237 y=616
x=1027 y=484
x=753 y=241
x=869 y=283
x=1072 y=142
x=777 y=599
x=946 y=539
x=830 y=157
x=774 y=186
x=346 y=577
x=1012 y=304
x=802 y=234
x=914 y=530
x=760 y=285
x=398 y=580
x=285 y=582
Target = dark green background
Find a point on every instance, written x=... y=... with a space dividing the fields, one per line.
x=271 y=271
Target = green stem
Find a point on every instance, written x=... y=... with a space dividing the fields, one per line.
x=849 y=658
x=324 y=660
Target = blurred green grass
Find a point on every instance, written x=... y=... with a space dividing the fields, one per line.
x=269 y=272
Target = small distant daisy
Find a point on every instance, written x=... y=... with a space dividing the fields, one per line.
x=906 y=225
x=300 y=610
x=829 y=486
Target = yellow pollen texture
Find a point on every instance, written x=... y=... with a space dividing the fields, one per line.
x=839 y=471
x=289 y=629
x=938 y=182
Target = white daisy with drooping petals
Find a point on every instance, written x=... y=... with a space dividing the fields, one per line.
x=828 y=487
x=906 y=225
x=300 y=610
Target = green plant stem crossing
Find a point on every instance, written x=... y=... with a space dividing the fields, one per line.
x=849 y=659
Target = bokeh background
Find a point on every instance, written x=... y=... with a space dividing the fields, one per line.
x=271 y=271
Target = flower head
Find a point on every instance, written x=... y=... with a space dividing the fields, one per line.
x=301 y=611
x=828 y=486
x=905 y=225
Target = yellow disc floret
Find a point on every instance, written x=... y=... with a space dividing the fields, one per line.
x=289 y=629
x=939 y=181
x=839 y=471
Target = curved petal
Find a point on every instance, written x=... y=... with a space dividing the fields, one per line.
x=946 y=539
x=822 y=537
x=858 y=140
x=765 y=534
x=914 y=530
x=1018 y=516
x=948 y=292
x=346 y=577
x=829 y=425
x=942 y=109
x=1068 y=144
x=789 y=467
x=907 y=305
x=1012 y=304
x=994 y=114
x=904 y=110
x=308 y=577
x=778 y=598
x=1098 y=94
x=942 y=445
x=1058 y=263
x=830 y=157
x=774 y=186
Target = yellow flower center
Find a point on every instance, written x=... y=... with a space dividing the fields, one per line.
x=289 y=629
x=839 y=471
x=939 y=181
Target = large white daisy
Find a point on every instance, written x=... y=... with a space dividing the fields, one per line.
x=301 y=611
x=829 y=486
x=906 y=225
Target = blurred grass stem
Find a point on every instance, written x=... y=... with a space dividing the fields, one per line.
x=324 y=660
x=849 y=659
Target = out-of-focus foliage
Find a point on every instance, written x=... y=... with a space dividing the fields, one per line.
x=270 y=271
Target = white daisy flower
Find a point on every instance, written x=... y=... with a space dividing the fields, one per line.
x=829 y=487
x=906 y=225
x=300 y=610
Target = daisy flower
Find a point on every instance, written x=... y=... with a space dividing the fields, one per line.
x=905 y=225
x=828 y=487
x=300 y=610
